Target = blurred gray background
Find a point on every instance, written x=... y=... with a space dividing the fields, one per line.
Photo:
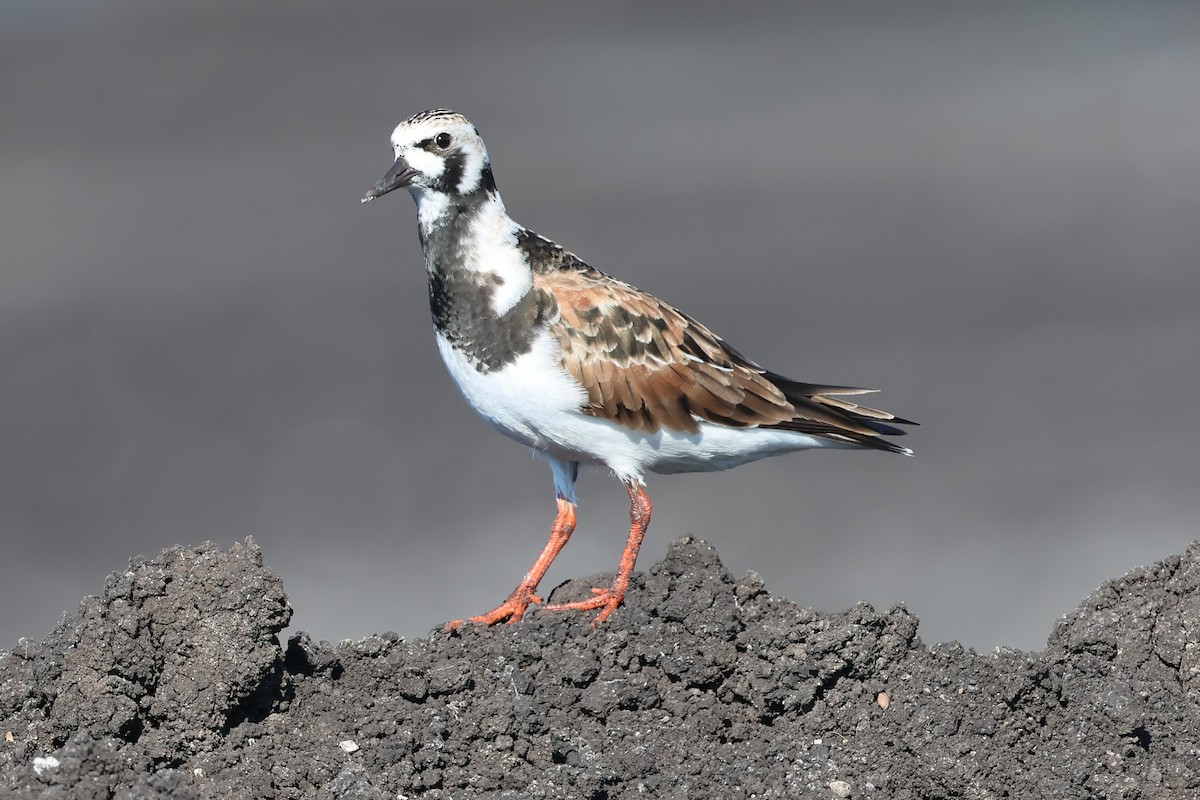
x=991 y=213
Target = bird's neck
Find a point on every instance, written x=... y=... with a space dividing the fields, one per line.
x=471 y=242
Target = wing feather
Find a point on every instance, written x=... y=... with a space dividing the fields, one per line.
x=648 y=366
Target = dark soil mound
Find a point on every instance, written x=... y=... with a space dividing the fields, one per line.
x=172 y=684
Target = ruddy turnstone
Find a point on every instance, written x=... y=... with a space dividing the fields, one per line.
x=584 y=368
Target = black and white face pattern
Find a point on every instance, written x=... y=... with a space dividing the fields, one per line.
x=443 y=153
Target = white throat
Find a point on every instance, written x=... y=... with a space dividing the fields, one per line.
x=432 y=208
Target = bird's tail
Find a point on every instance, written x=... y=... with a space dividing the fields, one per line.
x=821 y=411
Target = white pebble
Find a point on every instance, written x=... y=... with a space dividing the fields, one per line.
x=43 y=763
x=840 y=788
x=348 y=745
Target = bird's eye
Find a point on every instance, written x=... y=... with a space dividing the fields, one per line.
x=442 y=140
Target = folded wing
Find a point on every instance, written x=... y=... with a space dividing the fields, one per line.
x=646 y=366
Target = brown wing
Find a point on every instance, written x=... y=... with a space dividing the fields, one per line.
x=647 y=366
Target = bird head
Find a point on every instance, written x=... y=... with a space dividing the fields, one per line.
x=436 y=151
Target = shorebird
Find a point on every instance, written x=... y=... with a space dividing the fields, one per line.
x=584 y=368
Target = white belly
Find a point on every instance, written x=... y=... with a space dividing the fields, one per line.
x=529 y=399
x=534 y=401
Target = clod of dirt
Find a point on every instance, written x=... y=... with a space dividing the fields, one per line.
x=173 y=684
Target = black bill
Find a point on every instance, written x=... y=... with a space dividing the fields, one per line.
x=399 y=176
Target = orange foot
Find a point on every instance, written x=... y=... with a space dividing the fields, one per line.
x=606 y=600
x=510 y=611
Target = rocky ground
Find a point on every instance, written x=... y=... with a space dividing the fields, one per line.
x=173 y=684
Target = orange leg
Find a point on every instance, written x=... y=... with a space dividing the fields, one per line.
x=608 y=599
x=512 y=609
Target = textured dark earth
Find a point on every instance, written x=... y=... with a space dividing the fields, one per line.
x=173 y=684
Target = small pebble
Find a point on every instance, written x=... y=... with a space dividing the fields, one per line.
x=883 y=700
x=348 y=745
x=43 y=763
x=840 y=788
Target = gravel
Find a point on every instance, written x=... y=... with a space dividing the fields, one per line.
x=173 y=684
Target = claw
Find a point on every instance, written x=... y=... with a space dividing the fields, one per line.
x=606 y=600
x=509 y=612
